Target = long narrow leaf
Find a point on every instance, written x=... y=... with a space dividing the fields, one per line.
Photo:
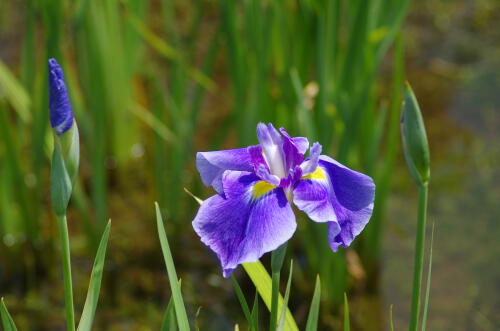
x=95 y=283
x=391 y=322
x=169 y=322
x=262 y=282
x=285 y=301
x=14 y=93
x=243 y=301
x=347 y=322
x=255 y=312
x=180 y=309
x=277 y=258
x=7 y=321
x=312 y=319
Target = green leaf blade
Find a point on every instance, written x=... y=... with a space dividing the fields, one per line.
x=180 y=309
x=284 y=308
x=262 y=282
x=7 y=321
x=92 y=299
x=242 y=300
x=347 y=322
x=312 y=318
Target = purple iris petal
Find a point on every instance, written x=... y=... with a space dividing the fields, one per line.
x=257 y=157
x=61 y=113
x=250 y=220
x=211 y=165
x=334 y=187
x=333 y=231
x=301 y=143
x=264 y=174
x=272 y=145
x=353 y=189
x=312 y=196
x=293 y=150
x=353 y=203
x=310 y=165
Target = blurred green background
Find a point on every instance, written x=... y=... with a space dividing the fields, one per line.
x=152 y=82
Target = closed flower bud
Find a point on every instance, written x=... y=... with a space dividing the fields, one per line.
x=61 y=113
x=66 y=155
x=415 y=145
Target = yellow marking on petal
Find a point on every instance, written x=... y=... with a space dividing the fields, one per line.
x=318 y=174
x=261 y=187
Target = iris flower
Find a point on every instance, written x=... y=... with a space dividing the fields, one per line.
x=251 y=214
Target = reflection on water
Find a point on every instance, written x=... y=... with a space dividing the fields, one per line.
x=454 y=66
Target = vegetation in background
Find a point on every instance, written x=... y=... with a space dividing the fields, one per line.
x=162 y=79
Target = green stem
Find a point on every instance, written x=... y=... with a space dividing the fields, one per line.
x=68 y=289
x=419 y=256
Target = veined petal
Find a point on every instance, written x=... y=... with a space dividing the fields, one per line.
x=272 y=145
x=211 y=165
x=265 y=175
x=293 y=150
x=312 y=163
x=254 y=217
x=336 y=194
x=354 y=190
x=311 y=194
x=257 y=157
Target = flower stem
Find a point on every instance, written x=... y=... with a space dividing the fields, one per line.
x=419 y=256
x=68 y=288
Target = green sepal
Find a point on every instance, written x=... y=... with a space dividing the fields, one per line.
x=65 y=161
x=70 y=146
x=415 y=145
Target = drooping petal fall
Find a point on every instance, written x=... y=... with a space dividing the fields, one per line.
x=251 y=218
x=338 y=195
x=211 y=165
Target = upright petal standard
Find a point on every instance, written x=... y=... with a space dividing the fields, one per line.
x=251 y=214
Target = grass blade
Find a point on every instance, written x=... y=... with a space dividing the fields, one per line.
x=312 y=319
x=153 y=122
x=7 y=321
x=95 y=284
x=347 y=322
x=391 y=321
x=262 y=282
x=169 y=322
x=277 y=258
x=428 y=285
x=180 y=309
x=255 y=312
x=285 y=301
x=15 y=93
x=243 y=301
